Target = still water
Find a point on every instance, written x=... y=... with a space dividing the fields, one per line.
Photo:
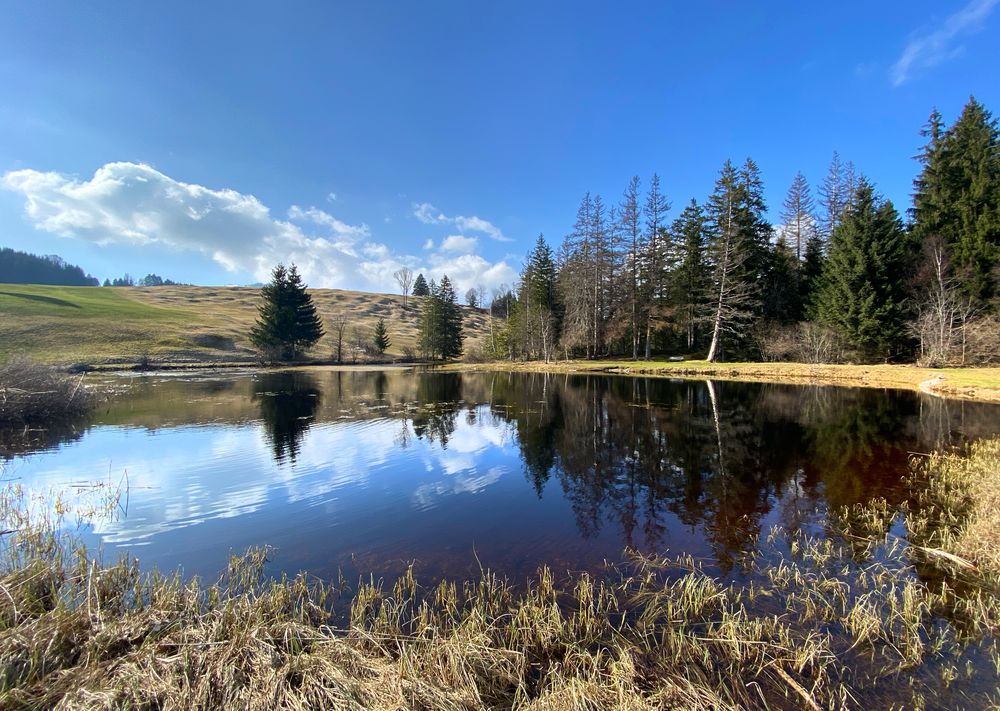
x=364 y=471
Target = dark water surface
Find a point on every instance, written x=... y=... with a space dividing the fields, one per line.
x=364 y=471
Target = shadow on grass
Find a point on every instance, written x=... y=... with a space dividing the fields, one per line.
x=44 y=299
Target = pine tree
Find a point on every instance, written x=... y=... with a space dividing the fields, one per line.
x=440 y=333
x=287 y=321
x=658 y=250
x=691 y=278
x=451 y=320
x=835 y=194
x=800 y=222
x=577 y=277
x=537 y=313
x=380 y=337
x=630 y=229
x=420 y=287
x=809 y=273
x=782 y=298
x=861 y=294
x=957 y=196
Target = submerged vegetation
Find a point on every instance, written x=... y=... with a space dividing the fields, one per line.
x=895 y=605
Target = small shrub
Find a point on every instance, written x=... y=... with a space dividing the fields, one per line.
x=805 y=342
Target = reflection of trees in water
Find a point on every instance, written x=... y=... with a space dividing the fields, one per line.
x=288 y=403
x=439 y=397
x=718 y=456
x=16 y=441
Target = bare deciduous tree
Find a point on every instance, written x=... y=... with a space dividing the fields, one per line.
x=339 y=328
x=404 y=277
x=943 y=312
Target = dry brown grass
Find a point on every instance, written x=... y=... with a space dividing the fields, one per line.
x=178 y=324
x=31 y=393
x=960 y=502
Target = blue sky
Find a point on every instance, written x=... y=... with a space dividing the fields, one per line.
x=205 y=141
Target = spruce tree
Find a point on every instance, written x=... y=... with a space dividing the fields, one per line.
x=657 y=253
x=440 y=333
x=809 y=273
x=800 y=222
x=835 y=194
x=420 y=287
x=537 y=315
x=380 y=337
x=782 y=298
x=630 y=231
x=428 y=338
x=957 y=197
x=738 y=245
x=861 y=292
x=287 y=322
x=451 y=320
x=691 y=278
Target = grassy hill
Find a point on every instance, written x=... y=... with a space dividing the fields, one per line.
x=63 y=324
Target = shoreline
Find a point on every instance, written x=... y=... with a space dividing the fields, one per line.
x=974 y=383
x=980 y=384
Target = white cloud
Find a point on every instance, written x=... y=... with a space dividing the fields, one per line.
x=429 y=244
x=325 y=219
x=470 y=270
x=933 y=48
x=459 y=243
x=430 y=215
x=135 y=204
x=331 y=197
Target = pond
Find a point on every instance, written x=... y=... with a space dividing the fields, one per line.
x=357 y=472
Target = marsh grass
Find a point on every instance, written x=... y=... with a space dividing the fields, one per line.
x=856 y=617
x=34 y=393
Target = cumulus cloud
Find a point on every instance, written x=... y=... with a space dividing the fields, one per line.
x=937 y=46
x=135 y=204
x=459 y=243
x=430 y=215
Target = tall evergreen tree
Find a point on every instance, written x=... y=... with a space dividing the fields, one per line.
x=782 y=297
x=691 y=278
x=736 y=255
x=420 y=287
x=861 y=294
x=798 y=216
x=957 y=196
x=380 y=337
x=287 y=322
x=835 y=193
x=601 y=272
x=809 y=273
x=440 y=333
x=452 y=335
x=630 y=229
x=537 y=314
x=658 y=250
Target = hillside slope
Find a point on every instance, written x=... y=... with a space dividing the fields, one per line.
x=179 y=324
